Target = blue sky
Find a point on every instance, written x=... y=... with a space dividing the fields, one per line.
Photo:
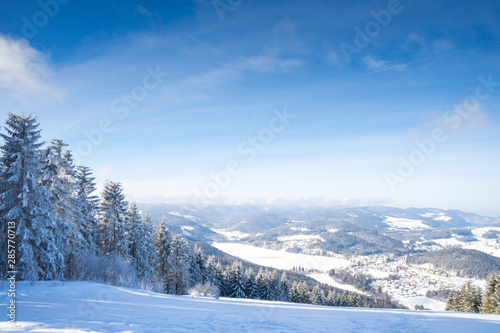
x=164 y=95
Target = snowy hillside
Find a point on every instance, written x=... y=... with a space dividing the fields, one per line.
x=89 y=307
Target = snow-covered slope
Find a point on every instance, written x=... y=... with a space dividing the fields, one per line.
x=89 y=307
x=281 y=259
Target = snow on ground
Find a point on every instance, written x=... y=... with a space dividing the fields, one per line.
x=299 y=229
x=442 y=217
x=88 y=307
x=231 y=235
x=327 y=279
x=300 y=238
x=189 y=217
x=428 y=303
x=400 y=223
x=281 y=259
x=332 y=230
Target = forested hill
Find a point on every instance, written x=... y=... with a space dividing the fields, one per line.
x=464 y=262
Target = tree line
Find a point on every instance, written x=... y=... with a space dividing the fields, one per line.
x=471 y=298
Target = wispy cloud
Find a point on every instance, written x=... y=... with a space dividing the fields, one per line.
x=143 y=11
x=234 y=70
x=23 y=69
x=374 y=64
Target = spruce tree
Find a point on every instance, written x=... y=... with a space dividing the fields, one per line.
x=491 y=296
x=25 y=203
x=163 y=249
x=114 y=231
x=88 y=206
x=196 y=267
x=236 y=282
x=284 y=290
x=59 y=179
x=178 y=266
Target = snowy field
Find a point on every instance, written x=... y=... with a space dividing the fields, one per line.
x=281 y=259
x=428 y=303
x=327 y=279
x=87 y=307
x=400 y=223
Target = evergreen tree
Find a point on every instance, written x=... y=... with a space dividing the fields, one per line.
x=88 y=206
x=178 y=266
x=250 y=286
x=284 y=290
x=163 y=249
x=294 y=293
x=261 y=284
x=303 y=293
x=114 y=232
x=331 y=299
x=141 y=245
x=197 y=267
x=491 y=296
x=149 y=256
x=26 y=203
x=236 y=281
x=468 y=299
x=59 y=179
x=317 y=296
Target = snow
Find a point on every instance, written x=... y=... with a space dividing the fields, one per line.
x=428 y=303
x=231 y=235
x=189 y=217
x=186 y=233
x=300 y=238
x=281 y=259
x=400 y=223
x=332 y=230
x=89 y=307
x=327 y=279
x=299 y=229
x=442 y=218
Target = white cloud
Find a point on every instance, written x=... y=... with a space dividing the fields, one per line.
x=373 y=63
x=23 y=69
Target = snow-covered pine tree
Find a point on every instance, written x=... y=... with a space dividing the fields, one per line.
x=163 y=247
x=196 y=267
x=210 y=269
x=250 y=286
x=344 y=301
x=59 y=179
x=272 y=285
x=284 y=290
x=26 y=202
x=469 y=298
x=331 y=299
x=214 y=274
x=261 y=284
x=491 y=296
x=178 y=266
x=236 y=282
x=114 y=233
x=353 y=300
x=150 y=258
x=88 y=206
x=136 y=250
x=316 y=296
x=294 y=293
